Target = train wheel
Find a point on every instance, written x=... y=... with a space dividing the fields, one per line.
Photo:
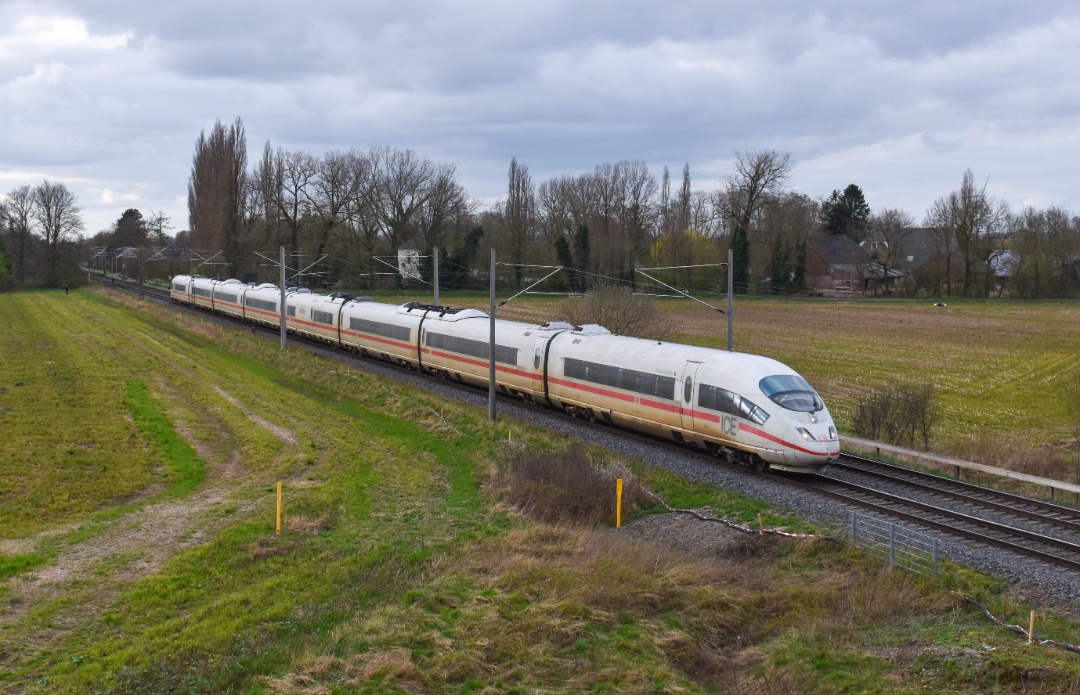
x=760 y=464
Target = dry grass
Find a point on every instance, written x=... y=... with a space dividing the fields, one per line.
x=557 y=608
x=566 y=487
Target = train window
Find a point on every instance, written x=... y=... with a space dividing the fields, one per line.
x=473 y=348
x=290 y=309
x=716 y=398
x=688 y=389
x=260 y=304
x=617 y=377
x=791 y=391
x=322 y=317
x=386 y=330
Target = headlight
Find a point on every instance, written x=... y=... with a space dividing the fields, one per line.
x=805 y=435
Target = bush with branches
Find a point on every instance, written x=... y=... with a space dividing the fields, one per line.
x=620 y=311
x=568 y=488
x=900 y=414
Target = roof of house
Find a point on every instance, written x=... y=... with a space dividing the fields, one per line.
x=918 y=247
x=839 y=250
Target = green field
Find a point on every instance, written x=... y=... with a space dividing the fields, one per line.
x=138 y=463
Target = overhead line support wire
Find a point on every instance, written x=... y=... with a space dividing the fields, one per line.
x=684 y=294
x=507 y=301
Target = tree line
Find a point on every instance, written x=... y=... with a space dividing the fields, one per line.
x=347 y=214
x=39 y=226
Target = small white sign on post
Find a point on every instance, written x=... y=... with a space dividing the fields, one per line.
x=409 y=263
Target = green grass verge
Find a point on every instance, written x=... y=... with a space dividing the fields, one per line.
x=186 y=466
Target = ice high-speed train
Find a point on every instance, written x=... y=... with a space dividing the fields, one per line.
x=748 y=408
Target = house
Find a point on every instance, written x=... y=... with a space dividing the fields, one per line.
x=923 y=255
x=836 y=262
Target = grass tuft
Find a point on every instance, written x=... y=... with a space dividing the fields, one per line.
x=11 y=565
x=186 y=466
x=566 y=487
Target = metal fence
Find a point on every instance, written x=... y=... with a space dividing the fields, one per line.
x=899 y=546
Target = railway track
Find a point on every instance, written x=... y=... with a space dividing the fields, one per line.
x=1052 y=515
x=131 y=286
x=1016 y=529
x=1036 y=529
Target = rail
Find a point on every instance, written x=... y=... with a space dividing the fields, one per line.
x=862 y=446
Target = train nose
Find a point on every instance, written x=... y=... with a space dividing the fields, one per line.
x=814 y=443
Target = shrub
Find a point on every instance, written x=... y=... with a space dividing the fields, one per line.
x=566 y=487
x=897 y=414
x=620 y=311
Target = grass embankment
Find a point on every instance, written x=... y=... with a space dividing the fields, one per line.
x=402 y=566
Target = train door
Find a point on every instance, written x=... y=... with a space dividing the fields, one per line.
x=685 y=394
x=539 y=362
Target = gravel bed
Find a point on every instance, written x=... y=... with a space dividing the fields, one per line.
x=1045 y=587
x=972 y=508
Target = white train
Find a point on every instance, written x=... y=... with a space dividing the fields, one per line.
x=748 y=408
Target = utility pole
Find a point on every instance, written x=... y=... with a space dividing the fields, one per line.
x=730 y=294
x=436 y=278
x=491 y=345
x=283 y=331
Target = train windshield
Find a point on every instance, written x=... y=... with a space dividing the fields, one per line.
x=792 y=392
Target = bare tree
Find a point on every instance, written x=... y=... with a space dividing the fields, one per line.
x=566 y=207
x=157 y=227
x=757 y=175
x=293 y=175
x=20 y=226
x=446 y=209
x=1072 y=404
x=520 y=212
x=941 y=220
x=402 y=185
x=340 y=180
x=639 y=211
x=888 y=231
x=57 y=219
x=1062 y=247
x=217 y=190
x=1027 y=236
x=971 y=220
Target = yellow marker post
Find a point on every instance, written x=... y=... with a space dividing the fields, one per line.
x=279 y=507
x=618 y=503
x=1031 y=632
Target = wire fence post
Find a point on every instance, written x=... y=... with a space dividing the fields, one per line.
x=899 y=546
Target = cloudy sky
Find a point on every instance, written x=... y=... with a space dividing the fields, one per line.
x=109 y=96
